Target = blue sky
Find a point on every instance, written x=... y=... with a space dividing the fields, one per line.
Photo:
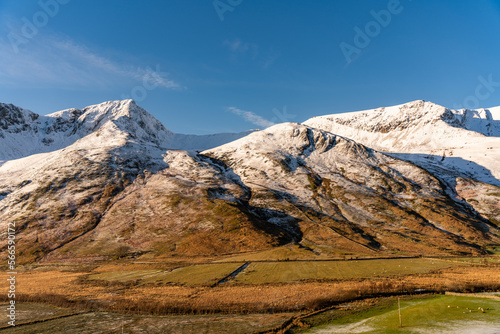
x=204 y=66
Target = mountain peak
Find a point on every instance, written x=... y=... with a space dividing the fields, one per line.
x=23 y=133
x=384 y=119
x=13 y=116
x=413 y=115
x=428 y=134
x=292 y=140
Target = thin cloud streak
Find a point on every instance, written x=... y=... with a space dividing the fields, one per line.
x=251 y=117
x=238 y=46
x=240 y=50
x=64 y=63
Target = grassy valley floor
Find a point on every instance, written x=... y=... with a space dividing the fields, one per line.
x=245 y=295
x=432 y=314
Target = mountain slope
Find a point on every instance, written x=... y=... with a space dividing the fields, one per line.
x=59 y=172
x=452 y=144
x=189 y=208
x=286 y=184
x=360 y=198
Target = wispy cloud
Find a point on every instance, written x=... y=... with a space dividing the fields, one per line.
x=261 y=56
x=251 y=117
x=59 y=61
x=240 y=48
x=270 y=58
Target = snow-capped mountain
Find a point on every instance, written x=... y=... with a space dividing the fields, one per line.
x=465 y=141
x=24 y=133
x=57 y=168
x=119 y=135
x=110 y=180
x=461 y=147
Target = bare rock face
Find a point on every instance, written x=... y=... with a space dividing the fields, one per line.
x=110 y=181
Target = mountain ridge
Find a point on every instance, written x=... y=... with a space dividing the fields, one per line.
x=401 y=116
x=30 y=133
x=123 y=188
x=426 y=129
x=458 y=146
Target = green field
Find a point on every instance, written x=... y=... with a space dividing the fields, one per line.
x=475 y=260
x=439 y=314
x=190 y=275
x=288 y=271
x=495 y=250
x=278 y=272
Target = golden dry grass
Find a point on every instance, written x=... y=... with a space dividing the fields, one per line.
x=73 y=287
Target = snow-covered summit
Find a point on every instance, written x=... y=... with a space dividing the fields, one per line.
x=284 y=156
x=293 y=139
x=24 y=133
x=464 y=141
x=416 y=114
